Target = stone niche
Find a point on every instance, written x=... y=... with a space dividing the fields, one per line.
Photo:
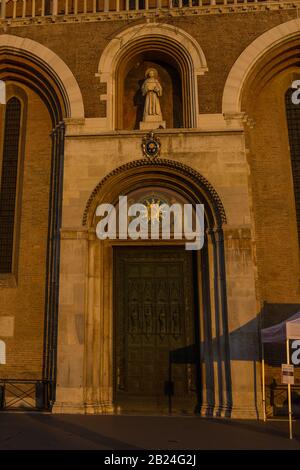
x=131 y=102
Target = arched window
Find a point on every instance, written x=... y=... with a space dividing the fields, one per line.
x=293 y=122
x=9 y=182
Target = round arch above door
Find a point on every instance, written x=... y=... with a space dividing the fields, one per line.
x=176 y=53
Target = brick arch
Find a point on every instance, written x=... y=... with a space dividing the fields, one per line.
x=232 y=94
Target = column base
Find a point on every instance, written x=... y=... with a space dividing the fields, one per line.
x=68 y=408
x=83 y=408
x=246 y=413
x=238 y=412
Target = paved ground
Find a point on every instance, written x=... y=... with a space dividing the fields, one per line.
x=46 y=431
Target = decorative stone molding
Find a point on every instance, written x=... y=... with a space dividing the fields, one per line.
x=97 y=259
x=241 y=118
x=74 y=121
x=53 y=64
x=246 y=62
x=74 y=233
x=8 y=281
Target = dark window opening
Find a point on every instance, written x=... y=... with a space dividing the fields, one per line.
x=9 y=179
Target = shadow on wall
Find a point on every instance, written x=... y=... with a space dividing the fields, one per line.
x=275 y=355
x=245 y=345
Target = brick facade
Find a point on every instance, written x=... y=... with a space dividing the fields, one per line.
x=248 y=165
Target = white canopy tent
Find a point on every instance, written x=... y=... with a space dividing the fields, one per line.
x=280 y=333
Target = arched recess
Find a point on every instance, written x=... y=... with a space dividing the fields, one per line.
x=210 y=283
x=257 y=86
x=272 y=41
x=42 y=68
x=30 y=65
x=165 y=40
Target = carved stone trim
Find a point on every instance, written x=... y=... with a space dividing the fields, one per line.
x=74 y=234
x=150 y=15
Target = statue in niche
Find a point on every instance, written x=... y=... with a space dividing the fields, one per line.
x=152 y=90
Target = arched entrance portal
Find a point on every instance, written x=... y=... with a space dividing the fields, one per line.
x=146 y=299
x=156 y=329
x=155 y=320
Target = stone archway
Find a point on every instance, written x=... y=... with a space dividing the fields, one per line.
x=163 y=38
x=95 y=357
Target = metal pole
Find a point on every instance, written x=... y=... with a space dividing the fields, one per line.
x=263 y=383
x=289 y=392
x=169 y=385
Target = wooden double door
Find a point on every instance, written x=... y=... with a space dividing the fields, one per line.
x=155 y=329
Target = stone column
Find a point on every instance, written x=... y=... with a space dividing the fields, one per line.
x=206 y=303
x=99 y=315
x=217 y=393
x=70 y=397
x=2 y=116
x=231 y=378
x=243 y=323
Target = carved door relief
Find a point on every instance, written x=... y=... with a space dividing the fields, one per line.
x=154 y=314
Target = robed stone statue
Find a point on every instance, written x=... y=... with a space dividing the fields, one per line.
x=152 y=90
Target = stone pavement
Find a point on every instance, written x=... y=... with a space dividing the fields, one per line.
x=46 y=431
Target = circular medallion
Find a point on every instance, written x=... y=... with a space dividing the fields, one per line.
x=151 y=145
x=152 y=148
x=154 y=205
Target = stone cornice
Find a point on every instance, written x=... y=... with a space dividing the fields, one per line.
x=139 y=134
x=152 y=15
